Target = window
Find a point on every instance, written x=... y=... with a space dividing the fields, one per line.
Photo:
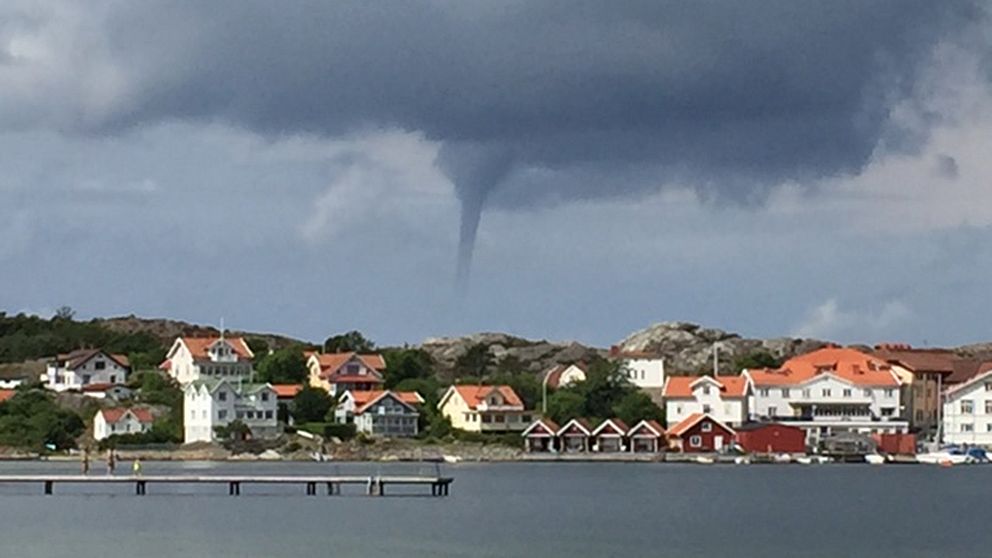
x=468 y=417
x=785 y=393
x=772 y=411
x=100 y=365
x=222 y=396
x=889 y=392
x=86 y=378
x=706 y=408
x=706 y=390
x=113 y=379
x=695 y=441
x=706 y=427
x=888 y=411
x=988 y=386
x=524 y=418
x=826 y=392
x=763 y=392
x=486 y=419
x=265 y=396
x=354 y=369
x=919 y=415
x=967 y=428
x=806 y=394
x=847 y=392
x=500 y=418
x=203 y=414
x=222 y=414
x=988 y=427
x=967 y=407
x=268 y=414
x=867 y=393
x=678 y=408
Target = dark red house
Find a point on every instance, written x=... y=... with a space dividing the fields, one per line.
x=771 y=437
x=700 y=433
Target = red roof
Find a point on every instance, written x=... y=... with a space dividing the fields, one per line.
x=933 y=361
x=77 y=358
x=166 y=365
x=615 y=425
x=966 y=369
x=850 y=365
x=553 y=377
x=548 y=426
x=114 y=415
x=652 y=427
x=6 y=394
x=330 y=363
x=354 y=379
x=577 y=423
x=198 y=346
x=365 y=399
x=99 y=387
x=681 y=386
x=286 y=391
x=688 y=422
x=474 y=395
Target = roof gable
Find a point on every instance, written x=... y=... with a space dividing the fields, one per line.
x=199 y=347
x=368 y=399
x=647 y=427
x=683 y=387
x=546 y=426
x=611 y=426
x=692 y=420
x=475 y=395
x=574 y=427
x=331 y=363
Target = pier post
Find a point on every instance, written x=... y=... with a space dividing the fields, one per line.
x=48 y=488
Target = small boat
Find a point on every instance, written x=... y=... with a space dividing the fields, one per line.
x=451 y=458
x=804 y=460
x=742 y=460
x=704 y=460
x=874 y=459
x=781 y=458
x=952 y=455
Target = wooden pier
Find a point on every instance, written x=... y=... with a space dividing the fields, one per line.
x=372 y=485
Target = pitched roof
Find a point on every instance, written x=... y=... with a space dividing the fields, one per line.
x=581 y=423
x=101 y=387
x=287 y=391
x=77 y=358
x=966 y=369
x=6 y=394
x=198 y=346
x=476 y=394
x=552 y=378
x=932 y=361
x=614 y=424
x=982 y=375
x=142 y=414
x=688 y=422
x=549 y=426
x=652 y=426
x=331 y=363
x=682 y=386
x=847 y=364
x=366 y=399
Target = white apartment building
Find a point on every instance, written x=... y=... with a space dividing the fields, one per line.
x=829 y=391
x=208 y=404
x=644 y=370
x=725 y=398
x=87 y=367
x=967 y=412
x=194 y=358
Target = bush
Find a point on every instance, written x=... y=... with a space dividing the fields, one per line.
x=31 y=419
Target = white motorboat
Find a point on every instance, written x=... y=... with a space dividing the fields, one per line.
x=943 y=457
x=874 y=459
x=704 y=460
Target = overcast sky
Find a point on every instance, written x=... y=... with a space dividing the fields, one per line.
x=772 y=168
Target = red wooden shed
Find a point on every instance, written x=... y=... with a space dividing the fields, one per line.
x=700 y=433
x=771 y=437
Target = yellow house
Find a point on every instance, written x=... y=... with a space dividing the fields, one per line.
x=482 y=408
x=341 y=372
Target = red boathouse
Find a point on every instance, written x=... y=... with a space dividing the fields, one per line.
x=771 y=437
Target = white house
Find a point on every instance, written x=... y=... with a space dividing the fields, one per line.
x=392 y=414
x=968 y=410
x=194 y=358
x=725 y=398
x=643 y=369
x=78 y=369
x=340 y=372
x=208 y=404
x=564 y=375
x=829 y=391
x=120 y=420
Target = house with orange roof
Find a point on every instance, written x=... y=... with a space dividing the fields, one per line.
x=700 y=432
x=217 y=357
x=121 y=420
x=484 y=408
x=340 y=372
x=830 y=391
x=82 y=368
x=725 y=398
x=380 y=412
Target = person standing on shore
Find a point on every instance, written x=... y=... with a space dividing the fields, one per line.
x=136 y=467
x=111 y=462
x=86 y=460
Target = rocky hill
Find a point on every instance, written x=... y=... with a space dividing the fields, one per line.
x=531 y=356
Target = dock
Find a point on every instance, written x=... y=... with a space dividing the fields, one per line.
x=372 y=485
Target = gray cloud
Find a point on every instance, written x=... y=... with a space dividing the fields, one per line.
x=537 y=102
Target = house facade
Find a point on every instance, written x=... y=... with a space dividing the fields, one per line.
x=208 y=404
x=199 y=358
x=770 y=437
x=541 y=436
x=79 y=369
x=968 y=410
x=647 y=436
x=610 y=436
x=645 y=370
x=724 y=398
x=700 y=433
x=575 y=436
x=829 y=391
x=110 y=422
x=564 y=375
x=484 y=408
x=340 y=372
x=389 y=414
x=923 y=373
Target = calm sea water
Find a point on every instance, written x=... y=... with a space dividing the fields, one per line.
x=511 y=510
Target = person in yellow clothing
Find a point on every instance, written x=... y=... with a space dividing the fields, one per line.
x=136 y=467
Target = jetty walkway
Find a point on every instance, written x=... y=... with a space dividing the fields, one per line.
x=372 y=485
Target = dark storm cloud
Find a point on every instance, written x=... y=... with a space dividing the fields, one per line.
x=727 y=96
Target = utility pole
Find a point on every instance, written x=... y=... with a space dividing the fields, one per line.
x=716 y=361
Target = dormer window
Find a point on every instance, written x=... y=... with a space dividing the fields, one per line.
x=706 y=390
x=354 y=369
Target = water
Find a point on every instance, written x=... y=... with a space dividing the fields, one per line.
x=517 y=510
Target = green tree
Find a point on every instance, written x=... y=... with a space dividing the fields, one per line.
x=755 y=360
x=284 y=366
x=234 y=430
x=406 y=364
x=566 y=404
x=353 y=341
x=31 y=419
x=311 y=405
x=637 y=406
x=475 y=362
